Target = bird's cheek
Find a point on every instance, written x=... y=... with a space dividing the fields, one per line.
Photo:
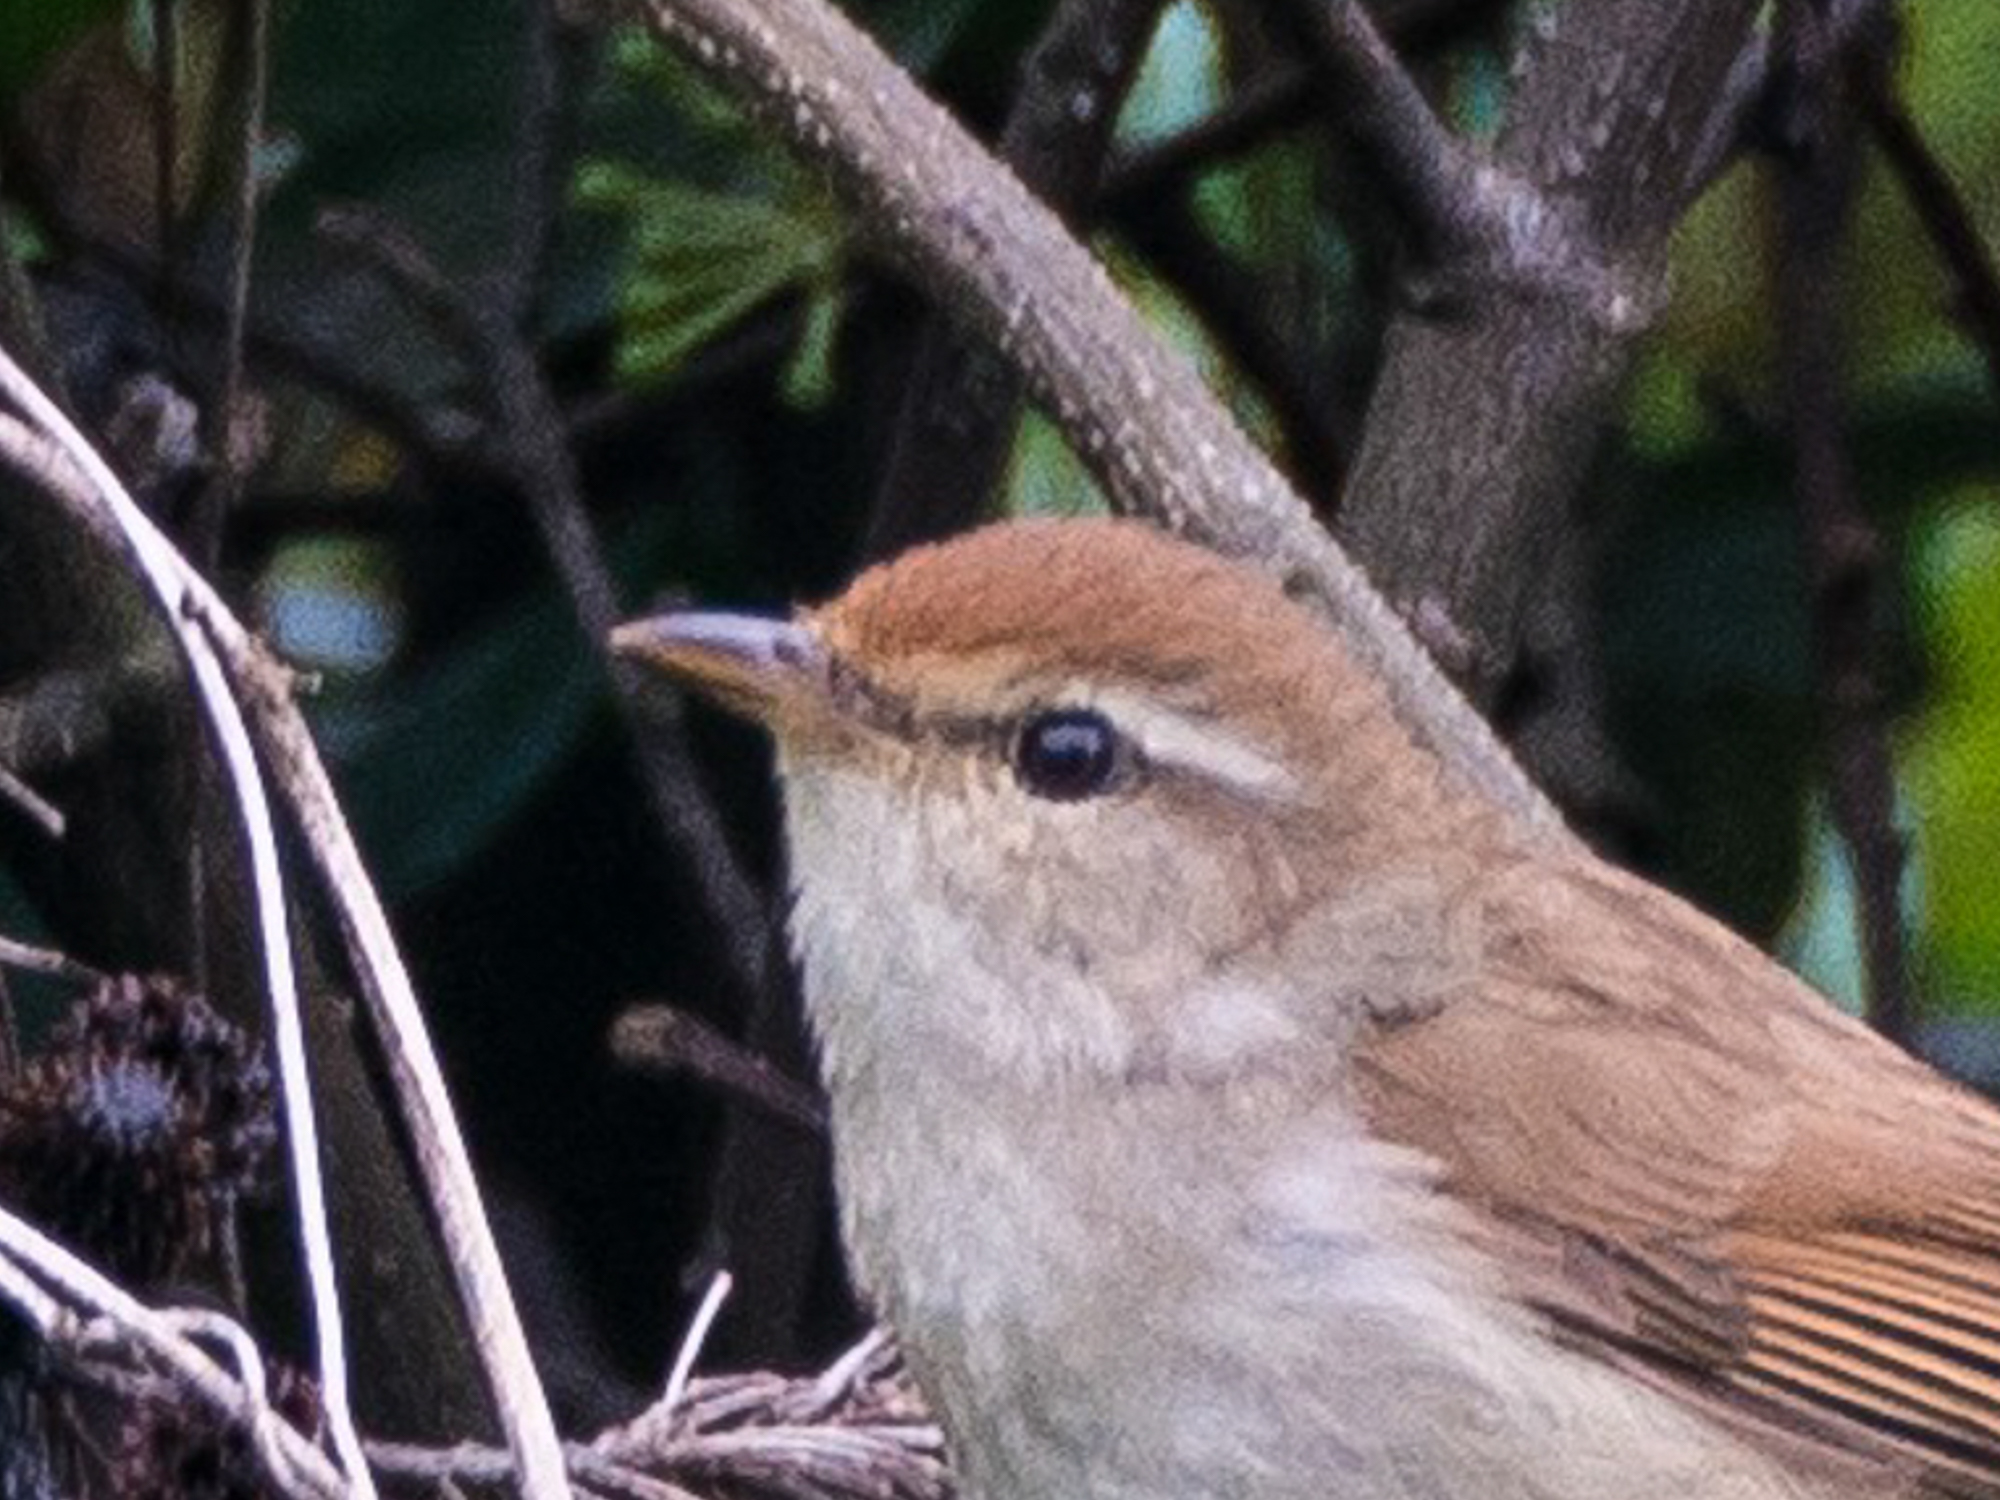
x=1217 y=1027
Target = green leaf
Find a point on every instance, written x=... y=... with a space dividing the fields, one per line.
x=808 y=377
x=701 y=257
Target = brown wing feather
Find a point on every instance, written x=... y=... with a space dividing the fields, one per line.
x=1900 y=1333
x=1704 y=1170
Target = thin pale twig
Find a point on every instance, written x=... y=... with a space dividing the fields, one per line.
x=167 y=576
x=76 y=479
x=33 y=960
x=43 y=813
x=697 y=1335
x=75 y=1309
x=853 y=1431
x=438 y=1143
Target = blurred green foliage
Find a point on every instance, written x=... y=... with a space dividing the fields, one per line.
x=1926 y=440
x=1951 y=754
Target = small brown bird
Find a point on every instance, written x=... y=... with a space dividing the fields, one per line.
x=1228 y=1102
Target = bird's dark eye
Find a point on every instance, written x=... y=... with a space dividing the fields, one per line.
x=1067 y=754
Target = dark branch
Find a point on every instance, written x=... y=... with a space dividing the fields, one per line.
x=1942 y=210
x=662 y=1039
x=224 y=417
x=1431 y=180
x=1241 y=320
x=1842 y=550
x=768 y=1180
x=1483 y=423
x=538 y=167
x=526 y=414
x=1273 y=102
x=960 y=401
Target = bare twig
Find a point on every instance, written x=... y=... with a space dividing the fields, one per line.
x=1243 y=322
x=86 y=1318
x=165 y=16
x=251 y=21
x=1842 y=549
x=10 y=1057
x=1135 y=411
x=33 y=960
x=697 y=1335
x=439 y=1145
x=535 y=174
x=1258 y=109
x=1732 y=123
x=960 y=404
x=1759 y=79
x=38 y=810
x=310 y=355
x=167 y=576
x=92 y=495
x=1483 y=423
x=1454 y=209
x=672 y=1042
x=542 y=467
x=1942 y=210
x=855 y=1432
x=766 y=1187
x=1275 y=100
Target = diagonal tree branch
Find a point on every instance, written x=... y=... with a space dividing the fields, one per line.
x=768 y=1200
x=1451 y=210
x=539 y=461
x=1135 y=411
x=1275 y=100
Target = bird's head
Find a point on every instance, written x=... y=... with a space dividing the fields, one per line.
x=1074 y=796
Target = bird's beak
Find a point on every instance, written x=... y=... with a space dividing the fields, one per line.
x=771 y=670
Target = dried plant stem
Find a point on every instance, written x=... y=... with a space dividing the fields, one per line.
x=168 y=577
x=235 y=676
x=84 y=1316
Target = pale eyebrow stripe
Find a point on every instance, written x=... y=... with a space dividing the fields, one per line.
x=1162 y=734
x=1168 y=738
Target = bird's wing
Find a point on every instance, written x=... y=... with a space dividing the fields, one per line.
x=1706 y=1173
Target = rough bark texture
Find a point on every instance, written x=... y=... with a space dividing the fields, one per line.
x=1492 y=395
